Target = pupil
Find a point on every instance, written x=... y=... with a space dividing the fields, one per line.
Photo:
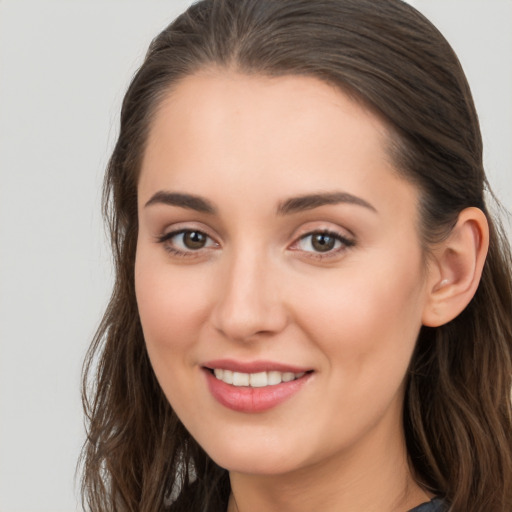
x=323 y=243
x=194 y=240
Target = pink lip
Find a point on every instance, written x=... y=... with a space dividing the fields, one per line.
x=253 y=366
x=252 y=400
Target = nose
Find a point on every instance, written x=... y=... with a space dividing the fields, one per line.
x=248 y=303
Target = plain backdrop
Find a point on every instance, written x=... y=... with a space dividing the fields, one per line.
x=64 y=66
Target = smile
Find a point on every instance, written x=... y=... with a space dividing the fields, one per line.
x=255 y=380
x=254 y=387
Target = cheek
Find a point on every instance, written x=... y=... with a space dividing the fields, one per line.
x=366 y=321
x=172 y=307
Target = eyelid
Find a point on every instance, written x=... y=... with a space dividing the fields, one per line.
x=324 y=226
x=175 y=228
x=171 y=234
x=346 y=243
x=165 y=240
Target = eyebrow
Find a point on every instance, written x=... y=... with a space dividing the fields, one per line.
x=291 y=205
x=311 y=201
x=188 y=201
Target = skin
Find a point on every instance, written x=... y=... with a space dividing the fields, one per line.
x=258 y=291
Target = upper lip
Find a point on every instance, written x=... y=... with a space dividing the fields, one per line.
x=253 y=366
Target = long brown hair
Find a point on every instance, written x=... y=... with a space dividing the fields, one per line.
x=457 y=410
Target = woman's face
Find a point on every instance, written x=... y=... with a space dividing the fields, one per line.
x=276 y=242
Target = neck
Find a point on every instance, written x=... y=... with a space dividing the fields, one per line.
x=375 y=477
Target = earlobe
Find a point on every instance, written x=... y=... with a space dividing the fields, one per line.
x=456 y=268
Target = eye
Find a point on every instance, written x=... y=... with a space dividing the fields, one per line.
x=186 y=241
x=322 y=242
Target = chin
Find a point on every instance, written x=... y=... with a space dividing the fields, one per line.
x=250 y=455
x=255 y=464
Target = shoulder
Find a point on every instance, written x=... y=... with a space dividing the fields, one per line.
x=435 y=505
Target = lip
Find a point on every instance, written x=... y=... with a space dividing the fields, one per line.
x=247 y=399
x=253 y=366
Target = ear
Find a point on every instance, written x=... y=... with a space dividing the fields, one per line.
x=456 y=268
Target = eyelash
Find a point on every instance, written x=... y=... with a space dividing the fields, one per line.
x=346 y=243
x=167 y=237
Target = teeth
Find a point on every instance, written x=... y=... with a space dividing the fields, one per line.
x=240 y=379
x=255 y=380
x=258 y=380
x=274 y=378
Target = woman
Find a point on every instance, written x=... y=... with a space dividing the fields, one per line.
x=312 y=302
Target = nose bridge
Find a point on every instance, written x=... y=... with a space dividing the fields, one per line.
x=248 y=302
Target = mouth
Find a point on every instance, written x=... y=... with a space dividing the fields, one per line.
x=257 y=379
x=254 y=387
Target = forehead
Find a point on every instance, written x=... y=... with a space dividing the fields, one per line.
x=214 y=99
x=274 y=136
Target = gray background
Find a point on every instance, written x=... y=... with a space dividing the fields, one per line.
x=64 y=66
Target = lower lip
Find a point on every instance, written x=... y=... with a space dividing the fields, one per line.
x=248 y=399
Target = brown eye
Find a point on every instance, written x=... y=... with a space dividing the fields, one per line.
x=186 y=242
x=194 y=240
x=323 y=242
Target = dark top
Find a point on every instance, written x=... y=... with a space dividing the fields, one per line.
x=435 y=505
